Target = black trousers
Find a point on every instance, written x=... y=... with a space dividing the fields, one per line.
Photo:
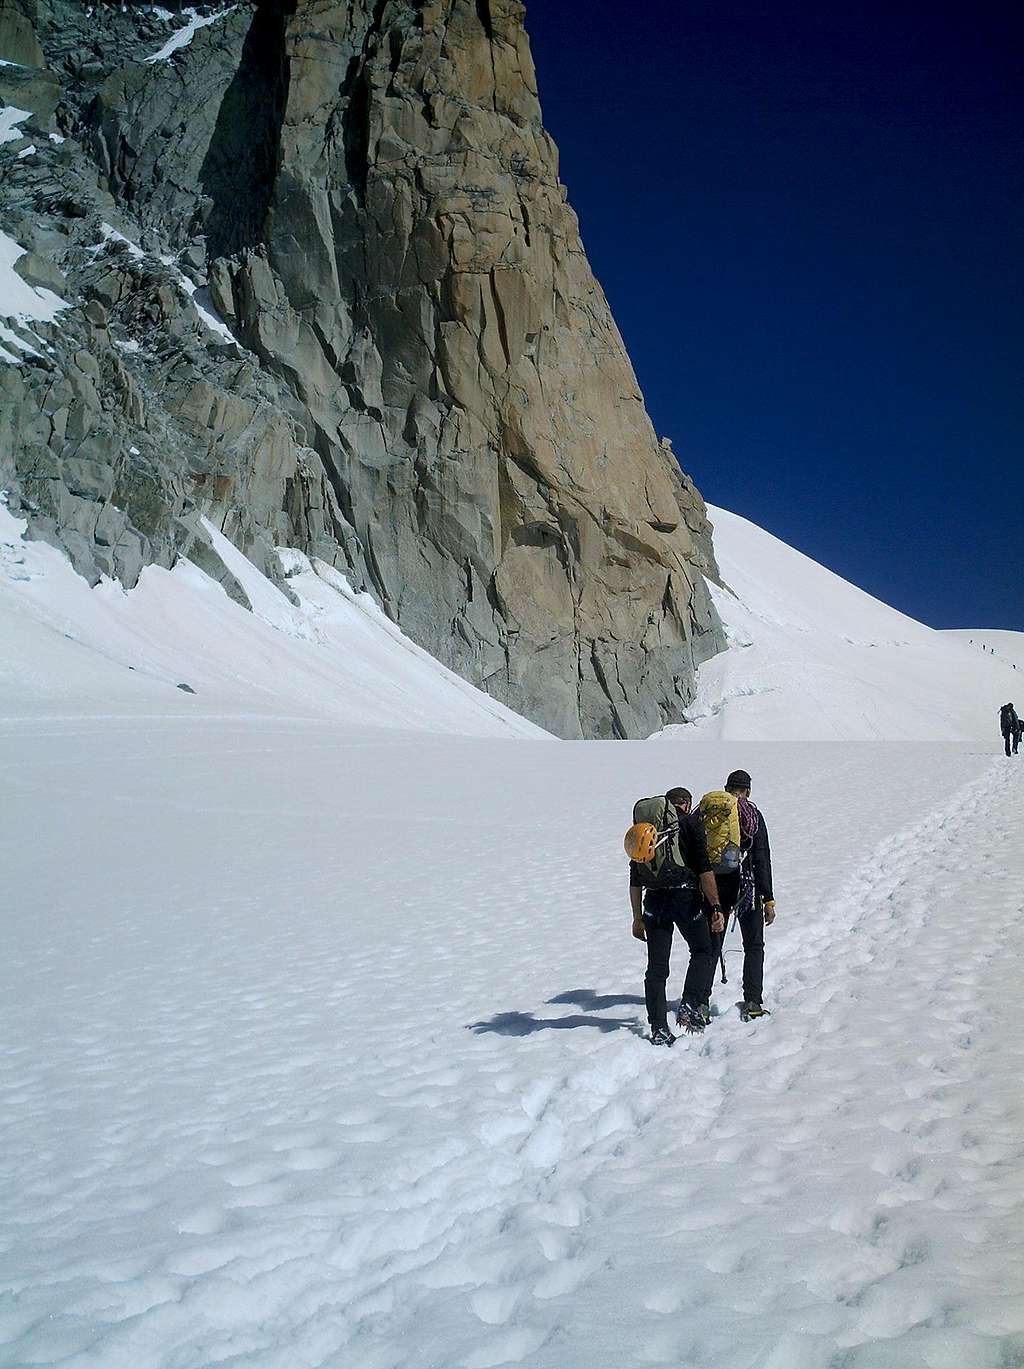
x=1006 y=742
x=665 y=909
x=752 y=930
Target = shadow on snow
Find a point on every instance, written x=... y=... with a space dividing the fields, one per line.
x=525 y=1024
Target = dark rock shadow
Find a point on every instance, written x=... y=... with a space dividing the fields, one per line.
x=241 y=165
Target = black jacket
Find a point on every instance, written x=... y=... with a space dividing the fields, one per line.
x=1007 y=719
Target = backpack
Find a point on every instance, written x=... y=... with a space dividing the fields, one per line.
x=719 y=815
x=666 y=868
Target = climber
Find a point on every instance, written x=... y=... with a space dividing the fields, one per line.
x=748 y=893
x=1008 y=725
x=680 y=892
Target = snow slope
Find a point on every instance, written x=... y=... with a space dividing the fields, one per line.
x=813 y=657
x=72 y=650
x=1004 y=646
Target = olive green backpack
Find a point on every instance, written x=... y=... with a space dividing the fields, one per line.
x=667 y=868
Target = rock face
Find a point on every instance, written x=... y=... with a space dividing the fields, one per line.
x=419 y=380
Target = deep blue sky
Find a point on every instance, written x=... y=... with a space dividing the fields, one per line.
x=808 y=221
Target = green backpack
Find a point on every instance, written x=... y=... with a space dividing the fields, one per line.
x=667 y=869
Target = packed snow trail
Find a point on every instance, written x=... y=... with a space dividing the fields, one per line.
x=849 y=1206
x=325 y=1049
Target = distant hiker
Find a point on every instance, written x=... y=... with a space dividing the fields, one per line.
x=669 y=859
x=746 y=889
x=1008 y=725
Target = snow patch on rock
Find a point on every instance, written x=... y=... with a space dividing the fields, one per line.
x=21 y=304
x=183 y=36
x=10 y=118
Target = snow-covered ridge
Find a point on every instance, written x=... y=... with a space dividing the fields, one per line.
x=780 y=585
x=811 y=657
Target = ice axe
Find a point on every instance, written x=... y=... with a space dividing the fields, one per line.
x=721 y=948
x=721 y=944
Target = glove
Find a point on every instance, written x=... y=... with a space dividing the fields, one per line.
x=769 y=912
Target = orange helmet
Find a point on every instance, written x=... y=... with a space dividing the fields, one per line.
x=641 y=841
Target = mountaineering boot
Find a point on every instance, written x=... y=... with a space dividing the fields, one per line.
x=688 y=1017
x=705 y=1012
x=753 y=1010
x=661 y=1036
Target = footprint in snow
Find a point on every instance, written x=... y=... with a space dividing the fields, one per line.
x=511 y=1348
x=203 y=1221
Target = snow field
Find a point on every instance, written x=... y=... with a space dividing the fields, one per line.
x=322 y=1027
x=325 y=1049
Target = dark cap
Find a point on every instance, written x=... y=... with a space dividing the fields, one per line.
x=739 y=779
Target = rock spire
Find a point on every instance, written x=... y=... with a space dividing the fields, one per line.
x=324 y=286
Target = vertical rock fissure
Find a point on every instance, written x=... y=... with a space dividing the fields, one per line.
x=356 y=131
x=357 y=89
x=619 y=732
x=483 y=11
x=240 y=169
x=499 y=314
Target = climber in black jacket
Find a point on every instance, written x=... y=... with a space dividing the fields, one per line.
x=1009 y=727
x=754 y=906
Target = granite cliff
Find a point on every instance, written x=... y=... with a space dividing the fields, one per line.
x=316 y=278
